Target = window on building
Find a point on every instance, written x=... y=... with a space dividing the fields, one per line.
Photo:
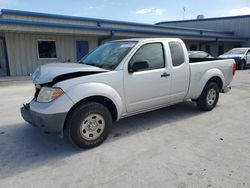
x=193 y=47
x=207 y=49
x=220 y=50
x=46 y=49
x=237 y=46
x=177 y=53
x=152 y=53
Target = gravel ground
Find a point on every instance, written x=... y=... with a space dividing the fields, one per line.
x=177 y=146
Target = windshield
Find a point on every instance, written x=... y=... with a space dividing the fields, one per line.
x=109 y=55
x=236 y=51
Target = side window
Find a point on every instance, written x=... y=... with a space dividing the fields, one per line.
x=152 y=53
x=177 y=53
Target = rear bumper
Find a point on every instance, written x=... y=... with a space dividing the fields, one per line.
x=226 y=89
x=52 y=123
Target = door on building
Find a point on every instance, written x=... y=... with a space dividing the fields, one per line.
x=3 y=59
x=82 y=48
x=220 y=50
x=248 y=58
x=208 y=49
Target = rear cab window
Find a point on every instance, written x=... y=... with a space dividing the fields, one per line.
x=177 y=53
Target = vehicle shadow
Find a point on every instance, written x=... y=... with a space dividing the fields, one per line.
x=154 y=119
x=23 y=147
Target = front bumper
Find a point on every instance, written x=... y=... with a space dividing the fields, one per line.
x=52 y=123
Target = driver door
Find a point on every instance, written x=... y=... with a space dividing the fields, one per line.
x=150 y=87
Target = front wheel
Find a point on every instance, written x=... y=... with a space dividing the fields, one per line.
x=88 y=125
x=209 y=97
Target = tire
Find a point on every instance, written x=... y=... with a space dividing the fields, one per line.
x=209 y=97
x=89 y=125
x=241 y=65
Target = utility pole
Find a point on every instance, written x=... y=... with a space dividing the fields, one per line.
x=184 y=11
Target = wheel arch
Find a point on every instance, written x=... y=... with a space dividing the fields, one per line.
x=105 y=101
x=96 y=92
x=212 y=75
x=218 y=81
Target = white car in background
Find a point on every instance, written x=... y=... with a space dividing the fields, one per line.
x=240 y=55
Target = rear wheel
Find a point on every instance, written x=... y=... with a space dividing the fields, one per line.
x=209 y=97
x=89 y=124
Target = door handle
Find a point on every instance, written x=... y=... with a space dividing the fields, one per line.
x=165 y=74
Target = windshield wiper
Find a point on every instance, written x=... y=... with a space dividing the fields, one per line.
x=91 y=64
x=103 y=66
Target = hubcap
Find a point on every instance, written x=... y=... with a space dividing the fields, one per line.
x=211 y=97
x=92 y=126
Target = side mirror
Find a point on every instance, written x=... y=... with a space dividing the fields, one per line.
x=137 y=66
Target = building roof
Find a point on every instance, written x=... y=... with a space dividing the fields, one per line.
x=111 y=29
x=66 y=17
x=140 y=29
x=206 y=19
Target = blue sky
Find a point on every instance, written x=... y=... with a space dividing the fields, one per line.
x=147 y=11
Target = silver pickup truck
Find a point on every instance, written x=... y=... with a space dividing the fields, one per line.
x=120 y=79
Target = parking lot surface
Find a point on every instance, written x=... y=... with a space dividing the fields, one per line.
x=178 y=146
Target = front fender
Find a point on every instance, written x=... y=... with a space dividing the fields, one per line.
x=82 y=91
x=205 y=78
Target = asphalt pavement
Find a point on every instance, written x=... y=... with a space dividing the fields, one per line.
x=177 y=146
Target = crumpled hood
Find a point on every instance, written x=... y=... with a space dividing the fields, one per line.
x=49 y=72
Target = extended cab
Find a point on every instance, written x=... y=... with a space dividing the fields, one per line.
x=119 y=79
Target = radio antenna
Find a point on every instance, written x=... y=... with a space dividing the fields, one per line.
x=184 y=11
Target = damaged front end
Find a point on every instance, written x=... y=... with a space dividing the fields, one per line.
x=51 y=123
x=25 y=111
x=56 y=72
x=50 y=105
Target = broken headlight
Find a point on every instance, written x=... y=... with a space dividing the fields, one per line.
x=48 y=94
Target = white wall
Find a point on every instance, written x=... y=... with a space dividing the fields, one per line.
x=23 y=55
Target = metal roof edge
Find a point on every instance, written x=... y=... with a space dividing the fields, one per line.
x=206 y=19
x=47 y=15
x=72 y=26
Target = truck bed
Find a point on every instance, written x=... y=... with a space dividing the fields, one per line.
x=199 y=70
